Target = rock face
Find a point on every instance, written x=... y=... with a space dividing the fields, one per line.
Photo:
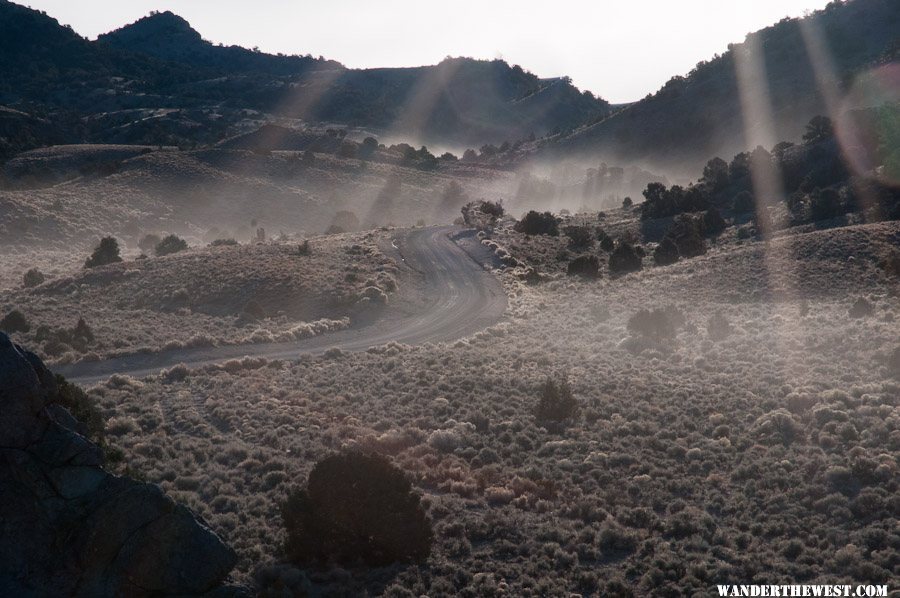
x=69 y=528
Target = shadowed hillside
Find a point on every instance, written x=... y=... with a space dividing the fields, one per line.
x=169 y=37
x=160 y=71
x=772 y=83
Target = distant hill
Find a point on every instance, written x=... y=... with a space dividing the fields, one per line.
x=695 y=117
x=156 y=81
x=459 y=100
x=20 y=131
x=167 y=36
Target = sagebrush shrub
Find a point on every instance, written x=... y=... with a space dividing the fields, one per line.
x=536 y=223
x=585 y=266
x=657 y=324
x=624 y=259
x=148 y=243
x=666 y=252
x=82 y=407
x=170 y=244
x=107 y=252
x=557 y=404
x=15 y=321
x=580 y=237
x=356 y=508
x=687 y=233
x=32 y=278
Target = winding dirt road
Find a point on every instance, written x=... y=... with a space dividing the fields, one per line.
x=461 y=297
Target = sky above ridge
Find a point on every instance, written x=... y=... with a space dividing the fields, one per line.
x=619 y=50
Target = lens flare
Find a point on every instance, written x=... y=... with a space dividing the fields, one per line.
x=868 y=127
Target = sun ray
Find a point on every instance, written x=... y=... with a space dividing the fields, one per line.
x=828 y=84
x=768 y=190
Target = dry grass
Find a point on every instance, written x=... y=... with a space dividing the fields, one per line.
x=205 y=297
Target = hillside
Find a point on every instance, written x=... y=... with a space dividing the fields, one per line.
x=157 y=81
x=167 y=36
x=698 y=116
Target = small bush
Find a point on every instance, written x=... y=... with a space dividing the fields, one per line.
x=482 y=214
x=557 y=404
x=657 y=324
x=82 y=407
x=33 y=278
x=536 y=223
x=15 y=321
x=687 y=233
x=82 y=333
x=585 y=266
x=862 y=308
x=344 y=221
x=303 y=248
x=170 y=244
x=606 y=242
x=627 y=203
x=580 y=237
x=666 y=253
x=148 y=243
x=107 y=252
x=223 y=243
x=253 y=312
x=624 y=259
x=356 y=508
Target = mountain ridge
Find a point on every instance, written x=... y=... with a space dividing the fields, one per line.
x=694 y=117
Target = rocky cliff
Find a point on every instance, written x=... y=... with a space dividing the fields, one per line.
x=68 y=527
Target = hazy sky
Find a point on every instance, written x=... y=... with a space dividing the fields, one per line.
x=619 y=49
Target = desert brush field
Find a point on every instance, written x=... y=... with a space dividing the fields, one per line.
x=753 y=435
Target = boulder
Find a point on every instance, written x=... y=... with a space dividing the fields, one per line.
x=70 y=528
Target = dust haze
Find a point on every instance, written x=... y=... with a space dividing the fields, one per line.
x=274 y=326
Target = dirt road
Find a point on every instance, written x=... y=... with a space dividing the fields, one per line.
x=461 y=297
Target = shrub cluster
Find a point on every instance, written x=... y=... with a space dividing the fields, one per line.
x=356 y=508
x=170 y=244
x=580 y=237
x=15 y=321
x=32 y=278
x=657 y=324
x=624 y=259
x=557 y=405
x=537 y=223
x=585 y=266
x=107 y=252
x=666 y=252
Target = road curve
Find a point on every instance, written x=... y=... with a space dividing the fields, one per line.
x=461 y=298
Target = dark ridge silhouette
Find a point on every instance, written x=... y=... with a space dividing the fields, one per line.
x=695 y=116
x=169 y=37
x=159 y=66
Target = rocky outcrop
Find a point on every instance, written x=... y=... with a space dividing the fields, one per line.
x=68 y=527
